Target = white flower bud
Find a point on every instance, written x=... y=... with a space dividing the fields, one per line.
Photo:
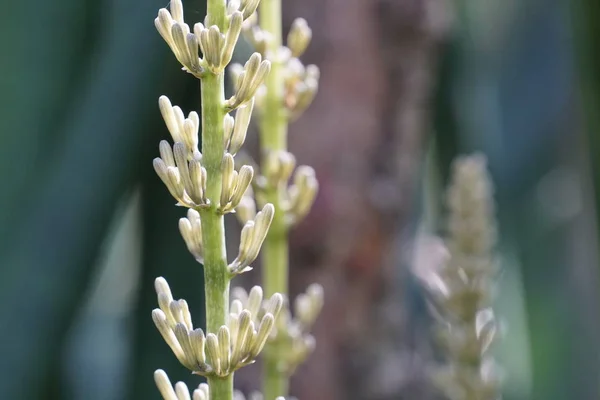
x=299 y=37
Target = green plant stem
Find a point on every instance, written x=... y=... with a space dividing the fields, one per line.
x=216 y=276
x=273 y=136
x=275 y=252
x=216 y=12
x=273 y=127
x=213 y=230
x=275 y=382
x=221 y=388
x=275 y=279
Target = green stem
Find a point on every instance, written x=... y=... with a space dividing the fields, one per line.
x=213 y=230
x=275 y=252
x=273 y=127
x=275 y=279
x=216 y=276
x=221 y=388
x=216 y=11
x=273 y=136
x=274 y=382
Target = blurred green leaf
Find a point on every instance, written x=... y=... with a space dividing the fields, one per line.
x=79 y=98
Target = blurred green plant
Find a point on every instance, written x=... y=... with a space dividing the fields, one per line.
x=459 y=275
x=75 y=120
x=508 y=90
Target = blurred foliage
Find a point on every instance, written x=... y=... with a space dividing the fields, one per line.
x=507 y=87
x=586 y=27
x=80 y=126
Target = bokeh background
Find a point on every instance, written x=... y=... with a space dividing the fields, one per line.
x=406 y=85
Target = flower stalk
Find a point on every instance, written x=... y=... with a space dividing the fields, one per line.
x=287 y=92
x=207 y=183
x=461 y=286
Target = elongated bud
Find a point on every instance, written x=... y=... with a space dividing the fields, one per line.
x=176 y=7
x=191 y=231
x=236 y=72
x=299 y=37
x=166 y=331
x=235 y=27
x=198 y=179
x=255 y=298
x=274 y=305
x=166 y=153
x=178 y=32
x=248 y=7
x=212 y=352
x=233 y=6
x=228 y=123
x=228 y=176
x=252 y=237
x=175 y=182
x=164 y=385
x=163 y=24
x=240 y=129
x=244 y=328
x=224 y=348
x=211 y=43
x=308 y=305
x=263 y=221
x=198 y=340
x=246 y=209
x=243 y=181
x=183 y=130
x=181 y=154
x=264 y=330
x=305 y=94
x=255 y=71
x=302 y=193
x=192 y=46
x=279 y=166
x=182 y=335
x=163 y=173
x=202 y=393
x=247 y=343
x=166 y=110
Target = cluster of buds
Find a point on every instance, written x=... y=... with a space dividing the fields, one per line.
x=247 y=79
x=182 y=130
x=300 y=82
x=237 y=128
x=216 y=46
x=183 y=174
x=461 y=287
x=234 y=345
x=233 y=183
x=252 y=237
x=296 y=199
x=292 y=333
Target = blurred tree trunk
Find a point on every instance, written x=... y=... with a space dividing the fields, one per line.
x=364 y=136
